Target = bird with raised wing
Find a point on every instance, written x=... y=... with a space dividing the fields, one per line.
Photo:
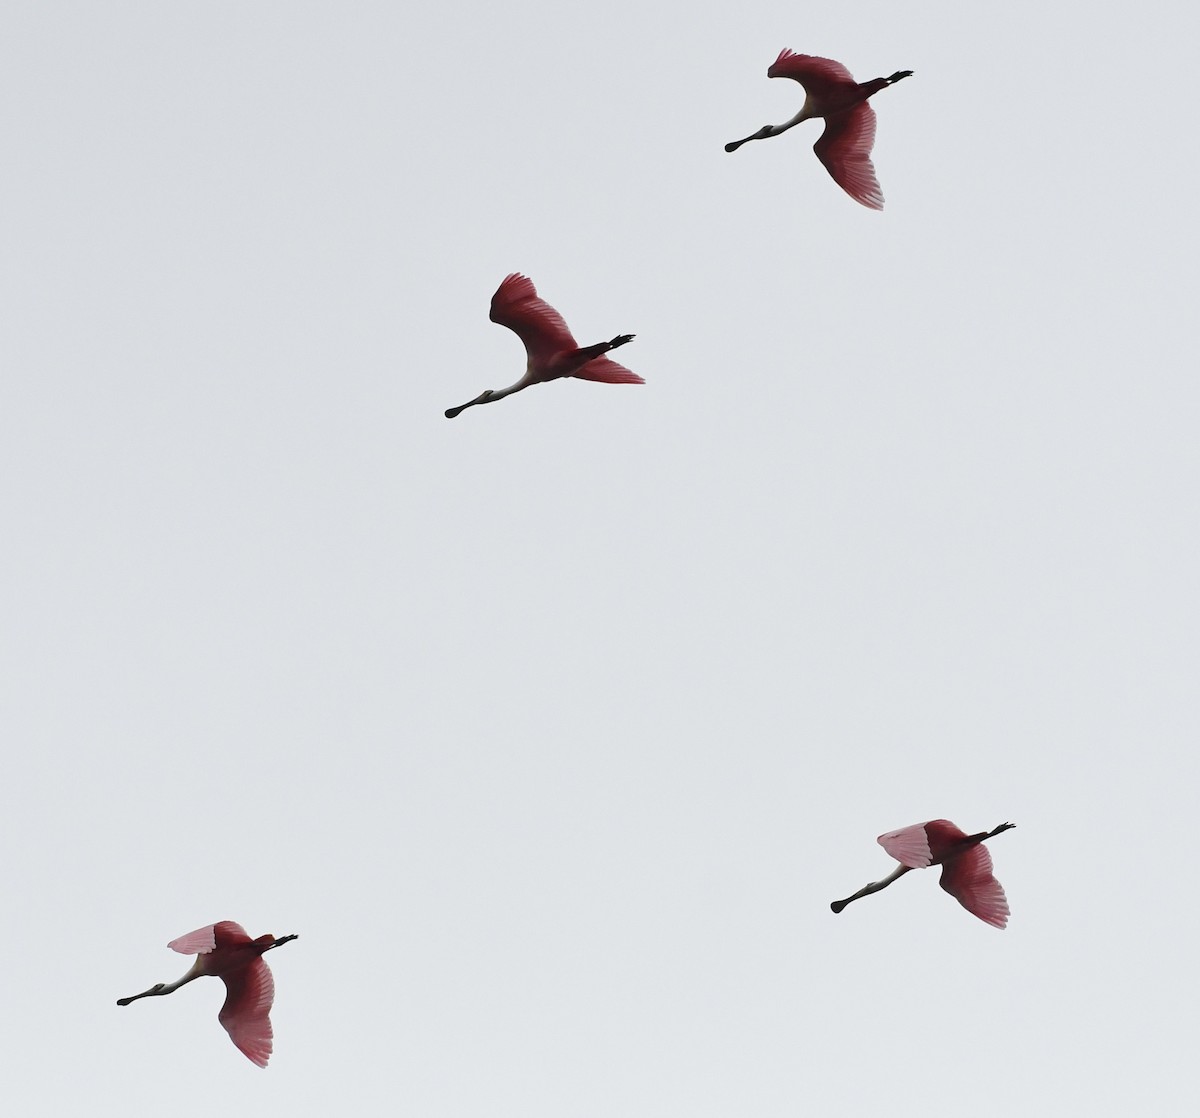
x=226 y=951
x=551 y=350
x=830 y=91
x=965 y=861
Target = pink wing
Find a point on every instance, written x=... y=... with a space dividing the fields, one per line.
x=818 y=75
x=909 y=846
x=845 y=149
x=945 y=839
x=225 y=933
x=229 y=934
x=199 y=942
x=967 y=877
x=247 y=1008
x=542 y=329
x=607 y=371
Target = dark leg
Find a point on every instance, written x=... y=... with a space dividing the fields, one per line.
x=983 y=836
x=589 y=352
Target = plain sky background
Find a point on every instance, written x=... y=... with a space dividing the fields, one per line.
x=553 y=730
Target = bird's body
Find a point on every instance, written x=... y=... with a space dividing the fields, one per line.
x=845 y=145
x=965 y=861
x=551 y=350
x=225 y=951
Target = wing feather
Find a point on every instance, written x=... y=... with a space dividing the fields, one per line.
x=230 y=934
x=199 y=942
x=247 y=1008
x=909 y=846
x=945 y=839
x=968 y=878
x=517 y=305
x=607 y=371
x=845 y=149
x=820 y=76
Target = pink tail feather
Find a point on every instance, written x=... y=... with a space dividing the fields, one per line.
x=607 y=371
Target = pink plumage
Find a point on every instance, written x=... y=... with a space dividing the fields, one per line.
x=201 y=941
x=844 y=147
x=965 y=861
x=225 y=951
x=246 y=1013
x=944 y=837
x=604 y=370
x=518 y=306
x=821 y=77
x=909 y=846
x=550 y=348
x=968 y=878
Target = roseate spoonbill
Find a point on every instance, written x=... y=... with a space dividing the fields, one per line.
x=966 y=866
x=552 y=351
x=845 y=145
x=225 y=950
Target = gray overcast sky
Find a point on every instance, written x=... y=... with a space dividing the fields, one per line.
x=554 y=729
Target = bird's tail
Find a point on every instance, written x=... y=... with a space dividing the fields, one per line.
x=607 y=371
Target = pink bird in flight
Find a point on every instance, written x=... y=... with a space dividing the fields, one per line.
x=845 y=146
x=965 y=861
x=225 y=950
x=552 y=351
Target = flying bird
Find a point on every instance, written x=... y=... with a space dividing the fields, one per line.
x=965 y=861
x=845 y=146
x=225 y=950
x=551 y=349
